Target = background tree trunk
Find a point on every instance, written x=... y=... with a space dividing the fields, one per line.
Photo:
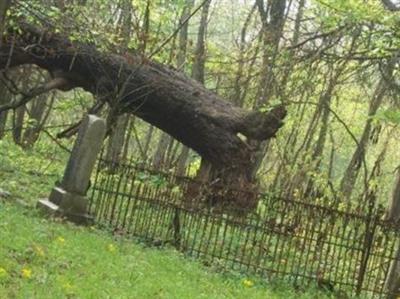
x=116 y=139
x=118 y=130
x=273 y=19
x=18 y=124
x=181 y=63
x=350 y=176
x=392 y=284
x=198 y=67
x=4 y=99
x=4 y=5
x=38 y=112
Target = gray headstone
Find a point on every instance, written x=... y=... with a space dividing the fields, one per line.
x=68 y=199
x=83 y=157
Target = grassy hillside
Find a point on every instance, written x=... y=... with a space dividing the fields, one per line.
x=48 y=259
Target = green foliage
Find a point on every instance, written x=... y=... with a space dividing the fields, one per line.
x=389 y=116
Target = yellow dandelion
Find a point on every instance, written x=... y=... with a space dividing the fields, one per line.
x=68 y=288
x=39 y=251
x=61 y=240
x=26 y=273
x=342 y=206
x=111 y=248
x=3 y=273
x=248 y=283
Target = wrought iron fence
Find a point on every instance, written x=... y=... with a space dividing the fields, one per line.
x=345 y=251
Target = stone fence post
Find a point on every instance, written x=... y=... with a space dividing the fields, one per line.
x=68 y=199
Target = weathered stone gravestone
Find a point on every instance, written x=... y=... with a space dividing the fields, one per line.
x=68 y=199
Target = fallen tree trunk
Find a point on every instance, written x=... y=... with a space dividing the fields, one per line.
x=156 y=93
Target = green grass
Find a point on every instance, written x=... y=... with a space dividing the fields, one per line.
x=30 y=174
x=41 y=258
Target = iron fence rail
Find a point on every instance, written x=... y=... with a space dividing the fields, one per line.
x=348 y=252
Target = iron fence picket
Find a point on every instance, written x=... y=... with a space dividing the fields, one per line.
x=290 y=239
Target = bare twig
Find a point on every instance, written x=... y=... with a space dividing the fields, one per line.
x=178 y=29
x=346 y=127
x=317 y=36
x=73 y=129
x=56 y=141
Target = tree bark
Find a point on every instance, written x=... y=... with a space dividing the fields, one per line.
x=38 y=114
x=182 y=158
x=200 y=53
x=160 y=153
x=198 y=68
x=350 y=176
x=273 y=19
x=238 y=82
x=181 y=63
x=183 y=34
x=116 y=139
x=18 y=123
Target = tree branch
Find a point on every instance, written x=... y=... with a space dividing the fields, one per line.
x=56 y=83
x=73 y=129
x=317 y=36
